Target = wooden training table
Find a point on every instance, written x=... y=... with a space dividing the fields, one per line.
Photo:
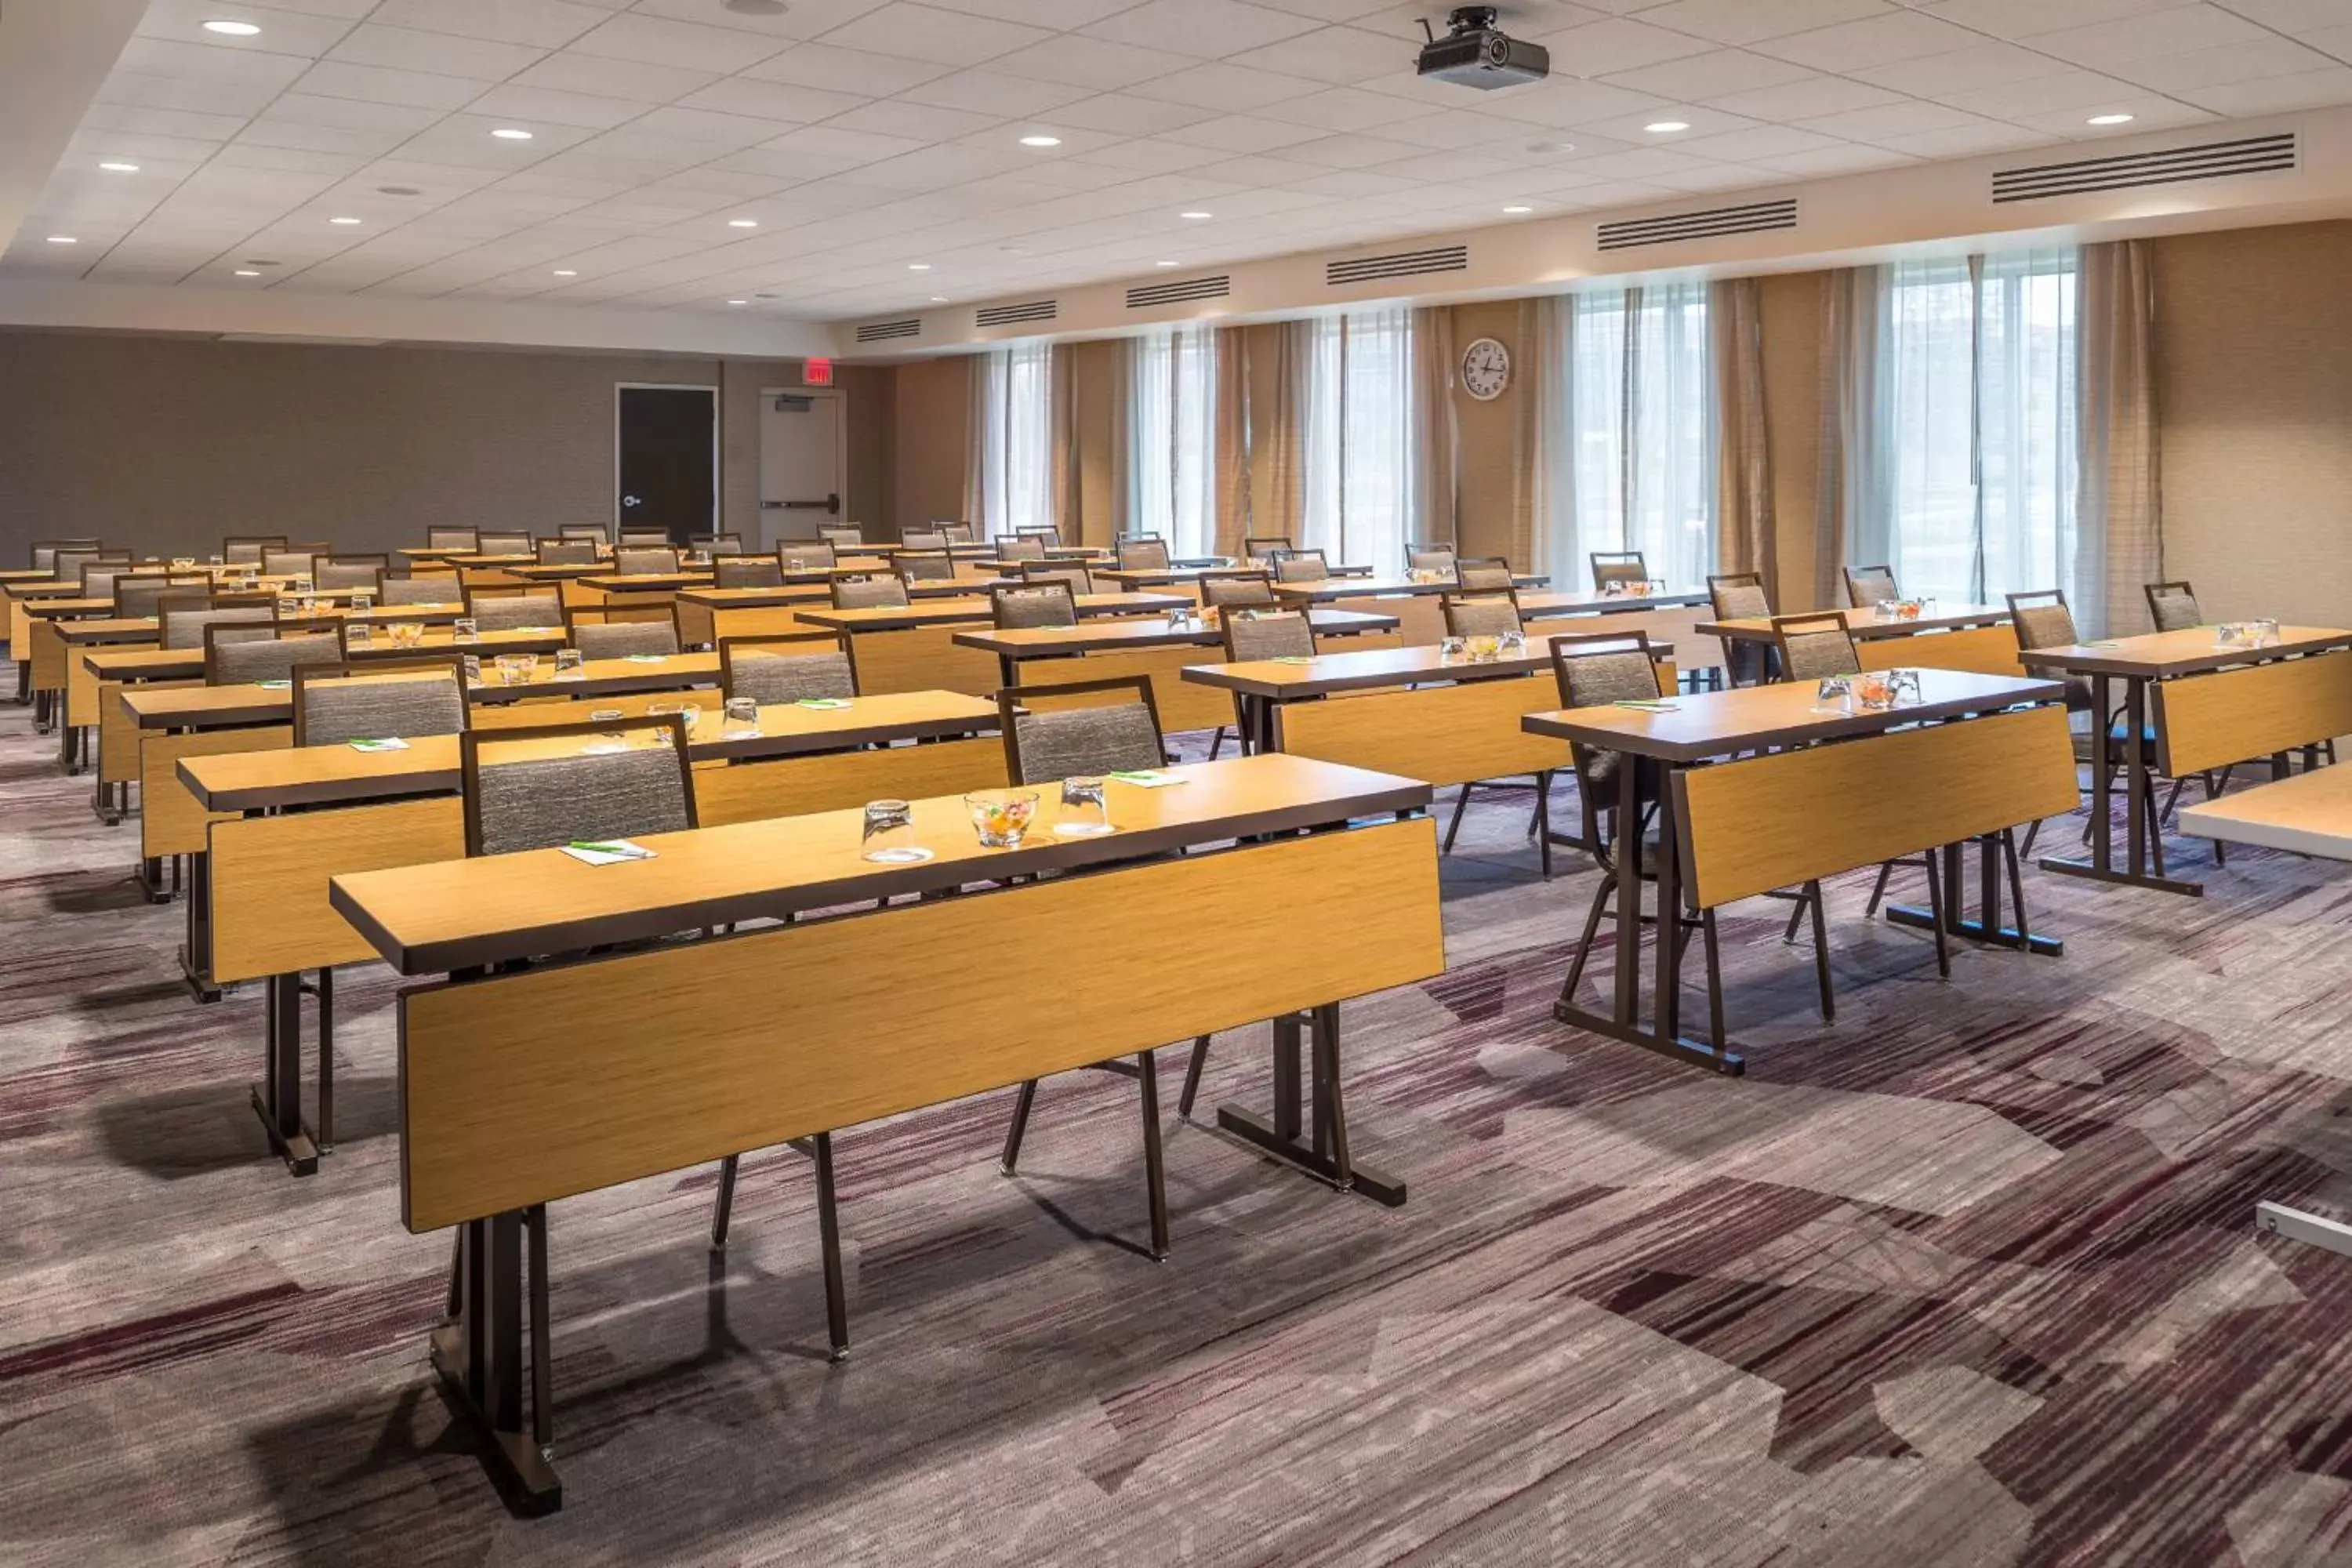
x=1416 y=600
x=2205 y=707
x=520 y=1088
x=1962 y=637
x=283 y=821
x=913 y=647
x=1976 y=755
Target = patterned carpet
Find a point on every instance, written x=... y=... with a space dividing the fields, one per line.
x=1966 y=1277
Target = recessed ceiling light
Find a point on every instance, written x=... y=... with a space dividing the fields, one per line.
x=738 y=302
x=742 y=223
x=511 y=133
x=398 y=191
x=1196 y=216
x=938 y=299
x=566 y=272
x=1666 y=127
x=343 y=222
x=758 y=8
x=63 y=239
x=115 y=167
x=247 y=272
x=2109 y=119
x=919 y=267
x=1516 y=210
x=1041 y=142
x=232 y=29
x=1551 y=146
x=1165 y=264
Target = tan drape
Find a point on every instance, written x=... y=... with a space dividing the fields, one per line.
x=1855 y=523
x=1232 y=435
x=1282 y=355
x=1746 y=539
x=1069 y=495
x=1539 y=382
x=975 y=459
x=1436 y=437
x=2119 y=502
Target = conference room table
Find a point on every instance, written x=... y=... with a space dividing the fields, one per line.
x=285 y=821
x=1192 y=577
x=1950 y=636
x=2197 y=706
x=707 y=614
x=1761 y=788
x=913 y=647
x=628 y=1064
x=1416 y=600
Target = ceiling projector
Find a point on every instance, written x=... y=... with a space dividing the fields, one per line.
x=1474 y=53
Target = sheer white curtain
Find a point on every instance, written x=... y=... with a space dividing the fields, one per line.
x=1629 y=461
x=1362 y=489
x=1978 y=389
x=1171 y=440
x=1016 y=444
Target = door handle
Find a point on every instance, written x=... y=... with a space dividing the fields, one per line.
x=629 y=500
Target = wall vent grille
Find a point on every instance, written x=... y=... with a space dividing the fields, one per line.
x=2130 y=171
x=1401 y=263
x=1010 y=315
x=882 y=331
x=1756 y=217
x=1150 y=296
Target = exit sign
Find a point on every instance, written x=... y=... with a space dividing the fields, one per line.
x=816 y=373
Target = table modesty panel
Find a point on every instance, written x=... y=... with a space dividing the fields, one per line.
x=2205 y=722
x=1986 y=650
x=1746 y=827
x=632 y=1066
x=1456 y=733
x=1181 y=704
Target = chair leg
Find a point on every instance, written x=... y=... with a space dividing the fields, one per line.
x=1821 y=951
x=1713 y=982
x=542 y=1348
x=1543 y=823
x=1936 y=915
x=1192 y=1078
x=1584 y=946
x=2171 y=799
x=1020 y=1125
x=1454 y=829
x=2213 y=788
x=327 y=1061
x=2032 y=834
x=723 y=1208
x=1216 y=742
x=828 y=1225
x=2090 y=828
x=1796 y=919
x=2016 y=884
x=1155 y=1176
x=1878 y=889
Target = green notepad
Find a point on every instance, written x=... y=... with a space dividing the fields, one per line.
x=1146 y=778
x=1294 y=658
x=387 y=743
x=823 y=704
x=1641 y=706
x=606 y=852
x=645 y=657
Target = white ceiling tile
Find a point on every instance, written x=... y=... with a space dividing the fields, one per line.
x=600 y=76
x=282 y=32
x=1754 y=147
x=1243 y=133
x=1805 y=98
x=800 y=19
x=1232 y=88
x=771 y=101
x=2334 y=41
x=1749 y=21
x=373 y=84
x=2102 y=45
x=1354 y=184
x=2018 y=18
x=1117 y=114
x=1056 y=14
x=2296 y=15
x=928 y=33
x=1088 y=62
x=1889 y=121
x=919 y=122
x=1980 y=65
x=1968 y=140
x=1351 y=151
x=2150 y=113
x=1210 y=28
x=537 y=107
x=541 y=23
x=1617 y=44
x=1335 y=108
x=841 y=149
x=994 y=94
x=404 y=49
x=2064 y=90
x=689 y=46
x=1846 y=158
x=832 y=70
x=1152 y=156
x=161 y=122
x=2224 y=66
x=1342 y=56
x=1872 y=41
x=1632 y=131
x=305 y=109
x=2276 y=95
x=1714 y=74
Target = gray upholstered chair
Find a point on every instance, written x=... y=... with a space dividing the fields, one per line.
x=922 y=538
x=234 y=657
x=746 y=571
x=1738 y=596
x=1814 y=645
x=1015 y=547
x=248 y=547
x=716 y=543
x=1266 y=546
x=1033 y=605
x=925 y=565
x=335 y=704
x=1618 y=568
x=1429 y=558
x=869 y=591
x=1285 y=633
x=289 y=564
x=1080 y=580
x=517 y=798
x=351 y=572
x=504 y=541
x=568 y=553
x=1248 y=588
x=1143 y=554
x=621 y=639
x=439 y=588
x=1300 y=566
x=181 y=623
x=1483 y=615
x=787 y=667
x=452 y=538
x=98 y=577
x=645 y=562
x=2173 y=607
x=1869 y=586
x=595 y=532
x=67 y=563
x=646 y=538
x=499 y=611
x=45 y=550
x=808 y=555
x=851 y=537
x=140 y=594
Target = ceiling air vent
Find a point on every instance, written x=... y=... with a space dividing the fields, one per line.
x=2169 y=166
x=1146 y=295
x=1010 y=315
x=882 y=331
x=1403 y=264
x=1756 y=217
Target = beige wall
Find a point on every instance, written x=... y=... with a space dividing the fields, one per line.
x=1796 y=307
x=932 y=421
x=1492 y=467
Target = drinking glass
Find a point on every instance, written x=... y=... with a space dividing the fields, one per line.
x=1451 y=649
x=1002 y=817
x=288 y=606
x=301 y=583
x=1482 y=648
x=362 y=601
x=1877 y=694
x=464 y=630
x=407 y=634
x=611 y=740
x=359 y=634
x=686 y=712
x=569 y=664
x=1906 y=684
x=1085 y=794
x=1511 y=645
x=743 y=718
x=1835 y=694
x=889 y=835
x=182 y=563
x=2266 y=632
x=212 y=560
x=473 y=669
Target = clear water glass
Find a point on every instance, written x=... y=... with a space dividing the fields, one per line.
x=570 y=664
x=288 y=606
x=465 y=630
x=686 y=713
x=359 y=634
x=889 y=835
x=611 y=740
x=1451 y=649
x=743 y=718
x=212 y=560
x=1906 y=684
x=1002 y=817
x=473 y=669
x=1087 y=796
x=1833 y=694
x=362 y=601
x=1512 y=644
x=182 y=563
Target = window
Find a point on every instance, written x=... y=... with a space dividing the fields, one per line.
x=1016 y=448
x=1635 y=466
x=1361 y=483
x=1977 y=378
x=1172 y=442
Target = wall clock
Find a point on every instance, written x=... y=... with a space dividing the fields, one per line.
x=1486 y=370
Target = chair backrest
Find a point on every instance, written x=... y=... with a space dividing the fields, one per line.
x=1482 y=615
x=98 y=577
x=438 y=589
x=568 y=553
x=181 y=622
x=1813 y=645
x=922 y=536
x=1143 y=555
x=505 y=542
x=2173 y=605
x=1015 y=547
x=653 y=538
x=1248 y=588
x=746 y=571
x=925 y=565
x=139 y=593
x=413 y=695
x=1596 y=669
x=645 y=562
x=2042 y=618
x=787 y=666
x=869 y=591
x=517 y=798
x=716 y=543
x=808 y=555
x=619 y=640
x=1266 y=634
x=1034 y=604
x=351 y=570
x=1080 y=578
x=234 y=655
x=289 y=563
x=594 y=532
x=509 y=609
x=45 y=550
x=1617 y=568
x=1486 y=574
x=447 y=538
x=1265 y=546
x=1300 y=566
x=67 y=563
x=1039 y=532
x=1087 y=729
x=1868 y=586
x=1738 y=596
x=250 y=547
x=955 y=532
x=849 y=538
x=1429 y=557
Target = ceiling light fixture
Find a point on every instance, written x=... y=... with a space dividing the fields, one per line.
x=938 y=299
x=247 y=272
x=742 y=223
x=566 y=272
x=344 y=221
x=1666 y=127
x=1166 y=264
x=120 y=168
x=1041 y=142
x=2109 y=119
x=232 y=29
x=511 y=133
x=1551 y=146
x=1516 y=210
x=1196 y=216
x=63 y=239
x=919 y=267
x=738 y=302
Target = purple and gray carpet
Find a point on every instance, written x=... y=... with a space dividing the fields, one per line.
x=1968 y=1276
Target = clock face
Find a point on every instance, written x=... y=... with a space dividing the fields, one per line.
x=1486 y=369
